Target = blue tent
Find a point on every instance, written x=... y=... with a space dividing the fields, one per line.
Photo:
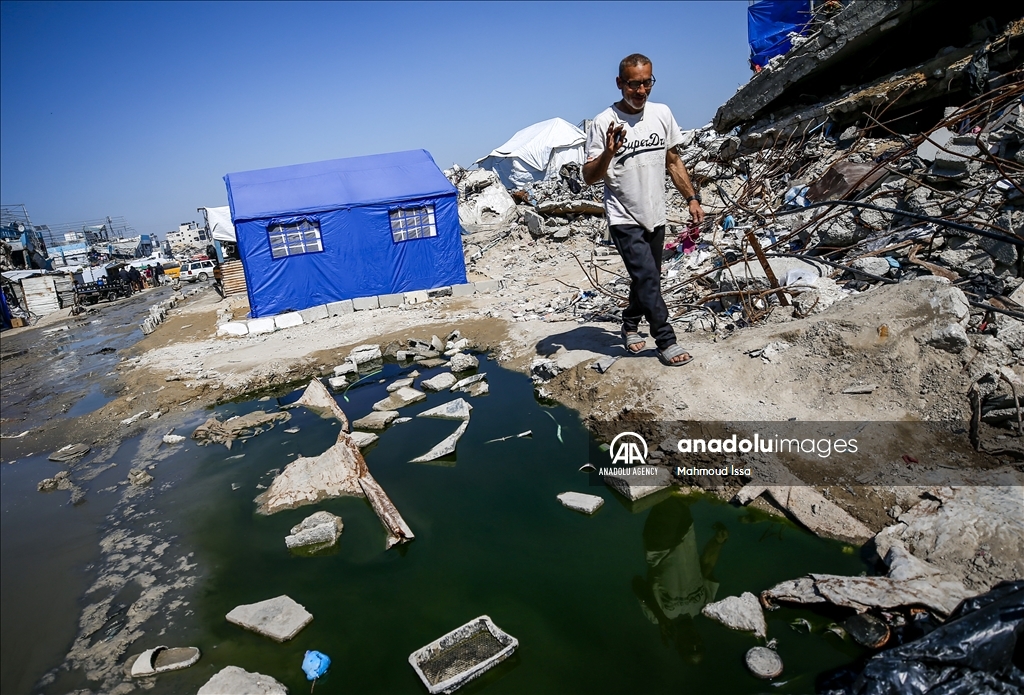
x=311 y=234
x=769 y=23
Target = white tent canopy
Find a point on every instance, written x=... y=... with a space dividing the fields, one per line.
x=219 y=220
x=536 y=153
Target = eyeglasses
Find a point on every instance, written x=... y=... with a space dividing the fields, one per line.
x=637 y=84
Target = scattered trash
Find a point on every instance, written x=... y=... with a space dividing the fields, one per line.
x=465 y=653
x=315 y=664
x=527 y=433
x=764 y=663
x=70 y=452
x=160 y=660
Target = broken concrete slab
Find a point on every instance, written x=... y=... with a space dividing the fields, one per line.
x=485 y=286
x=317 y=398
x=464 y=384
x=741 y=612
x=363 y=439
x=417 y=297
x=338 y=383
x=458 y=409
x=279 y=618
x=317 y=531
x=399 y=383
x=461 y=362
x=361 y=354
x=375 y=420
x=173 y=439
x=638 y=482
x=463 y=290
x=580 y=502
x=818 y=514
x=440 y=382
x=445 y=447
x=480 y=388
x=307 y=480
x=399 y=399
x=232 y=680
x=346 y=368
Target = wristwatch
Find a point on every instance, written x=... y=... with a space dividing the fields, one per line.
x=692 y=198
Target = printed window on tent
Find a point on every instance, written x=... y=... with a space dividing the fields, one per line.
x=295 y=238
x=413 y=223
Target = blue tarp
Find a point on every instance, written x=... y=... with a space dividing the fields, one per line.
x=315 y=664
x=351 y=203
x=769 y=22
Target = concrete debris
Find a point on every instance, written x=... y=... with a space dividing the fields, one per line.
x=445 y=447
x=483 y=200
x=134 y=418
x=69 y=453
x=399 y=399
x=458 y=409
x=363 y=354
x=910 y=582
x=308 y=480
x=139 y=477
x=972 y=533
x=580 y=502
x=638 y=482
x=213 y=431
x=232 y=680
x=317 y=531
x=397 y=530
x=480 y=388
x=741 y=612
x=279 y=618
x=346 y=368
x=763 y=662
x=809 y=507
x=363 y=439
x=399 y=383
x=317 y=398
x=461 y=362
x=465 y=384
x=442 y=381
x=376 y=421
x=173 y=439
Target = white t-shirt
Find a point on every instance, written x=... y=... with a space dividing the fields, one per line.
x=634 y=187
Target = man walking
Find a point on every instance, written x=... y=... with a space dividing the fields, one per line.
x=630 y=146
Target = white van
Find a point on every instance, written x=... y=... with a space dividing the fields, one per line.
x=196 y=270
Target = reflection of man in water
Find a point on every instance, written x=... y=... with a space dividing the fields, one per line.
x=679 y=582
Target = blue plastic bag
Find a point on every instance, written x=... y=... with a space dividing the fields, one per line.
x=315 y=664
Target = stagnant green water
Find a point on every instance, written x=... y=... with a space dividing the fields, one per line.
x=607 y=603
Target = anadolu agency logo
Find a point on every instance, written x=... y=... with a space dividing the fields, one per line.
x=628 y=452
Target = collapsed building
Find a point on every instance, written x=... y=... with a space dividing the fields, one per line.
x=845 y=164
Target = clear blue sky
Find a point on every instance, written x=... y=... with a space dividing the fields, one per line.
x=139 y=109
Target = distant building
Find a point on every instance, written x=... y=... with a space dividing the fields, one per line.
x=188 y=234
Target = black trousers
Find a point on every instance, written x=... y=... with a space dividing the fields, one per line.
x=641 y=251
